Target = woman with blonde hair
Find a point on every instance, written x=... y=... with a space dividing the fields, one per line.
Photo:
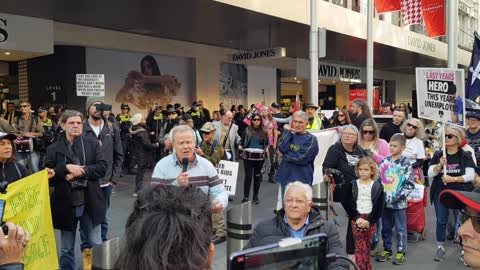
x=415 y=151
x=377 y=148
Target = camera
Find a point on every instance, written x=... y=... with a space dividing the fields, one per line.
x=79 y=183
x=103 y=107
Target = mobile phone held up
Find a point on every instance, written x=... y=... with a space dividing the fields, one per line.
x=2 y=209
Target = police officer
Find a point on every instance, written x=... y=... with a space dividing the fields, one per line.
x=124 y=121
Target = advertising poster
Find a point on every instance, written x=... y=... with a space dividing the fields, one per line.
x=362 y=94
x=233 y=84
x=441 y=95
x=141 y=79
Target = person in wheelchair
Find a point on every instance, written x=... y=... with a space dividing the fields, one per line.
x=298 y=219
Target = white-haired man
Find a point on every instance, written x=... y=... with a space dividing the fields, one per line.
x=298 y=219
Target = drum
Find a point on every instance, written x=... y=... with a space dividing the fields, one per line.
x=24 y=144
x=253 y=154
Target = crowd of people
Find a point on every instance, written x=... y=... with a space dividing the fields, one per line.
x=379 y=167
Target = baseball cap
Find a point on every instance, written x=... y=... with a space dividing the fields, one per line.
x=7 y=136
x=42 y=109
x=275 y=105
x=459 y=199
x=208 y=127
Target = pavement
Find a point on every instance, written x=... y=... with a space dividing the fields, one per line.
x=419 y=255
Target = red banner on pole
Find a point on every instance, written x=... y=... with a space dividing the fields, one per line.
x=434 y=16
x=387 y=5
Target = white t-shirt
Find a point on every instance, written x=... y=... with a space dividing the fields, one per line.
x=364 y=198
x=414 y=150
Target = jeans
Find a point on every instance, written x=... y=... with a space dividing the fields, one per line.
x=107 y=192
x=398 y=218
x=253 y=168
x=139 y=177
x=376 y=235
x=67 y=253
x=29 y=160
x=441 y=213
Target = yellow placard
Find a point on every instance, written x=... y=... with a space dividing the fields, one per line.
x=28 y=205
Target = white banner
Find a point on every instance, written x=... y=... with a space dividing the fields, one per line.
x=228 y=172
x=91 y=85
x=441 y=95
x=326 y=138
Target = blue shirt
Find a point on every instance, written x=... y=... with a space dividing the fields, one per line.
x=297 y=233
x=201 y=174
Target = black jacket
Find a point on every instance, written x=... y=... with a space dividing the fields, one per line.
x=378 y=202
x=111 y=144
x=388 y=130
x=141 y=145
x=273 y=230
x=57 y=157
x=11 y=172
x=336 y=159
x=359 y=120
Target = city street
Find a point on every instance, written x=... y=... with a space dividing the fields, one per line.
x=419 y=254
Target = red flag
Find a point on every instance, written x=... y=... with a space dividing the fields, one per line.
x=387 y=5
x=411 y=11
x=434 y=16
x=296 y=106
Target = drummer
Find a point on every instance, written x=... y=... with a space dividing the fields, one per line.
x=11 y=170
x=254 y=144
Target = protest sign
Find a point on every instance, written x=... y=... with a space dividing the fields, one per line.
x=326 y=138
x=91 y=85
x=441 y=95
x=228 y=172
x=28 y=205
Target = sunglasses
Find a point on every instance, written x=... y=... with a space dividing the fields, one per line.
x=342 y=115
x=23 y=106
x=449 y=136
x=368 y=131
x=475 y=220
x=256 y=119
x=412 y=126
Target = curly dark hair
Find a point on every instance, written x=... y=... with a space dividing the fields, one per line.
x=169 y=229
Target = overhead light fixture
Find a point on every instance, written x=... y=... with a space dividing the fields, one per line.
x=298 y=82
x=8 y=53
x=295 y=78
x=333 y=81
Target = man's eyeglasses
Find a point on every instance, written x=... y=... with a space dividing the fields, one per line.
x=412 y=126
x=475 y=220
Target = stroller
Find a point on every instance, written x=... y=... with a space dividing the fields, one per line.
x=416 y=214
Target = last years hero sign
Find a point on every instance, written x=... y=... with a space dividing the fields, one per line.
x=441 y=95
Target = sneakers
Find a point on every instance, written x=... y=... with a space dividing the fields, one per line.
x=399 y=259
x=439 y=254
x=384 y=256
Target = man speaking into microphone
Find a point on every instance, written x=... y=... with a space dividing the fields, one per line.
x=185 y=168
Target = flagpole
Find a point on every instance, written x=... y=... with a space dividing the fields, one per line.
x=452 y=54
x=370 y=55
x=313 y=53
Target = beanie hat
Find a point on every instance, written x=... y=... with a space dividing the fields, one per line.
x=136 y=119
x=91 y=100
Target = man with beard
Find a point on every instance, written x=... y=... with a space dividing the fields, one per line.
x=108 y=135
x=361 y=111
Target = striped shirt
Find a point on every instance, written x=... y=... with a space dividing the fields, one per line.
x=201 y=174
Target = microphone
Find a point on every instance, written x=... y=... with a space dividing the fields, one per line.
x=184 y=164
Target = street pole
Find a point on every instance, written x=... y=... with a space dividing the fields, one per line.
x=452 y=53
x=313 y=53
x=370 y=55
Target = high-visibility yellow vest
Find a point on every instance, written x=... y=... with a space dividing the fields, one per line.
x=197 y=113
x=49 y=123
x=315 y=125
x=157 y=117
x=124 y=118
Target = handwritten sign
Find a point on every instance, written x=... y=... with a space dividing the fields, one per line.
x=228 y=172
x=441 y=95
x=28 y=205
x=91 y=85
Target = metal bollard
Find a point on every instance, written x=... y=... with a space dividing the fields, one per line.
x=320 y=198
x=239 y=227
x=105 y=255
